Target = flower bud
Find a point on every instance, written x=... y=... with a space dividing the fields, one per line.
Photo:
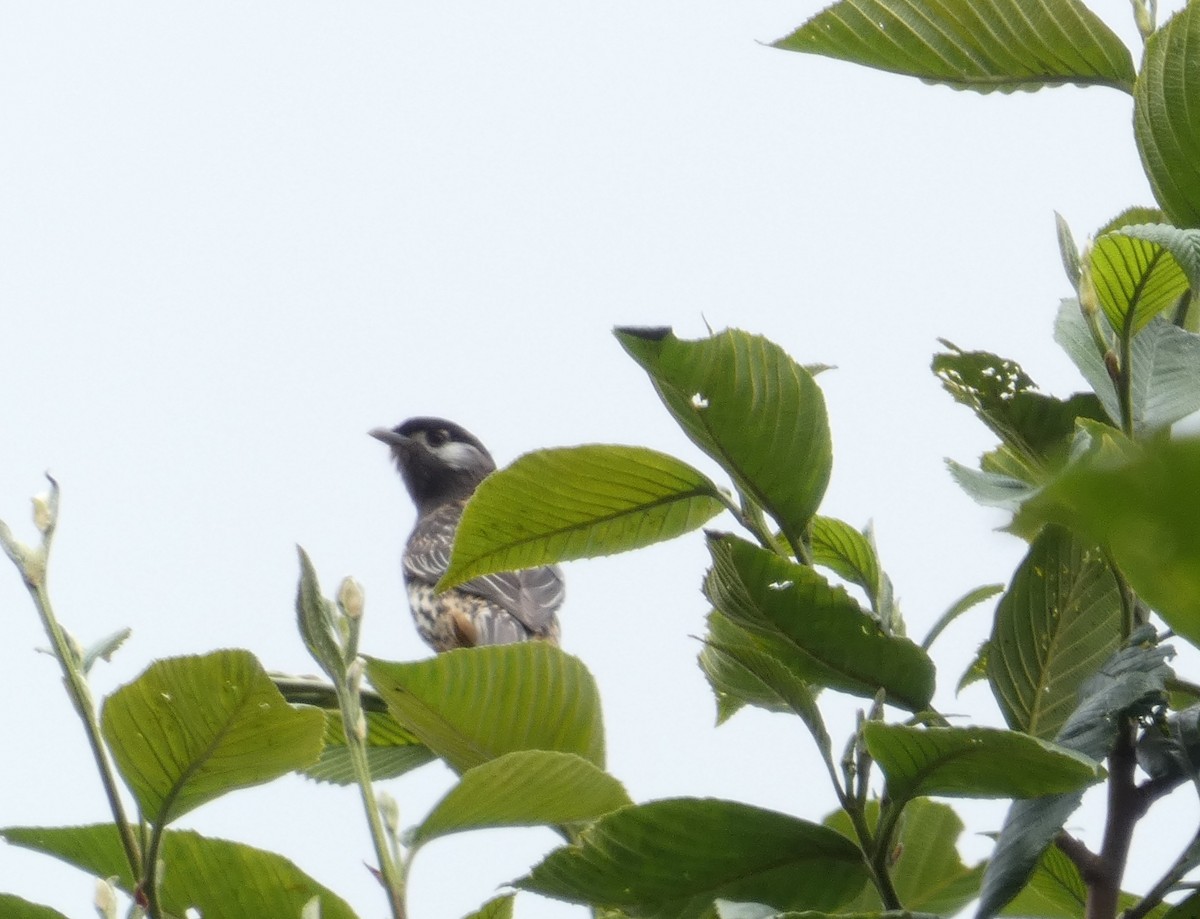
x=43 y=517
x=350 y=598
x=105 y=899
x=389 y=810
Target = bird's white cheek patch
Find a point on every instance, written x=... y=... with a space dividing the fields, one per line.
x=458 y=456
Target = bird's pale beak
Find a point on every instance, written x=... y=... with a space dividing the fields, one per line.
x=390 y=437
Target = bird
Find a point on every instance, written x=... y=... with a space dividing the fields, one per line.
x=442 y=464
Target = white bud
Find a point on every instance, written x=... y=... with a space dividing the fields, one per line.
x=43 y=517
x=360 y=726
x=389 y=810
x=105 y=899
x=350 y=598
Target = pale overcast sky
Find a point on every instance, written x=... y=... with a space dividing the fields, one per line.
x=236 y=236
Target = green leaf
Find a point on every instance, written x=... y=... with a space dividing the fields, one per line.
x=964 y=603
x=1132 y=681
x=982 y=45
x=1135 y=278
x=13 y=907
x=748 y=405
x=670 y=860
x=525 y=788
x=928 y=873
x=497 y=908
x=1172 y=749
x=391 y=751
x=852 y=555
x=830 y=640
x=742 y=669
x=1036 y=428
x=1148 y=514
x=527 y=696
x=190 y=729
x=976 y=671
x=316 y=620
x=973 y=763
x=990 y=489
x=1058 y=621
x=577 y=502
x=212 y=876
x=1166 y=122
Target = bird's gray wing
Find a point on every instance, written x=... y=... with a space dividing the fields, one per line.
x=532 y=595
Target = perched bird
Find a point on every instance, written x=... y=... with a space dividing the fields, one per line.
x=442 y=464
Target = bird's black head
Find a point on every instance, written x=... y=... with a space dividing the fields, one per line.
x=439 y=460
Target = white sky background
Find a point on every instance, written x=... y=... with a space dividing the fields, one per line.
x=235 y=237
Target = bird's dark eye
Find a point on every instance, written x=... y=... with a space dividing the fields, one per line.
x=438 y=436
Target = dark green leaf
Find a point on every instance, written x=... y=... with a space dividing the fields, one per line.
x=315 y=617
x=190 y=729
x=982 y=45
x=1148 y=514
x=741 y=669
x=577 y=502
x=748 y=405
x=671 y=859
x=1172 y=749
x=852 y=555
x=973 y=763
x=13 y=907
x=927 y=871
x=1166 y=120
x=1056 y=890
x=528 y=696
x=976 y=671
x=831 y=641
x=212 y=876
x=1058 y=621
x=525 y=788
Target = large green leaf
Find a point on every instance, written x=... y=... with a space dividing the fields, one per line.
x=670 y=860
x=1130 y=682
x=525 y=788
x=982 y=45
x=830 y=640
x=748 y=405
x=577 y=502
x=189 y=729
x=1147 y=512
x=472 y=705
x=1166 y=119
x=215 y=877
x=743 y=669
x=927 y=870
x=973 y=762
x=1135 y=278
x=1058 y=621
x=14 y=907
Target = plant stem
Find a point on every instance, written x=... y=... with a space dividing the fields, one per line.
x=1124 y=382
x=32 y=566
x=394 y=877
x=1125 y=807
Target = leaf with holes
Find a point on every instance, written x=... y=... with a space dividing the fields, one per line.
x=190 y=729
x=577 y=502
x=748 y=405
x=982 y=45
